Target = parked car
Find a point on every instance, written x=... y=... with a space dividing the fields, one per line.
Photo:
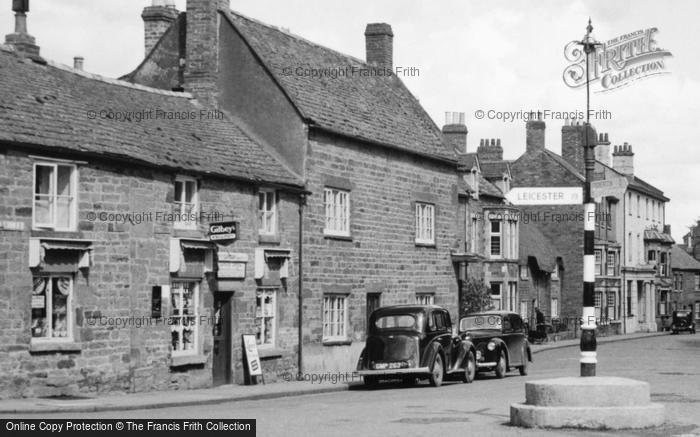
x=415 y=342
x=500 y=338
x=683 y=321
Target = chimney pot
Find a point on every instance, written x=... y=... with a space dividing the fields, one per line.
x=606 y=138
x=78 y=62
x=498 y=142
x=20 y=39
x=379 y=45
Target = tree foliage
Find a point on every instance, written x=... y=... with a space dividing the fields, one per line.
x=476 y=296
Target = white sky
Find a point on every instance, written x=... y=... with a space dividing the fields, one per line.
x=501 y=55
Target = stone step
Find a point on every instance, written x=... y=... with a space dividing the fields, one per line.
x=638 y=416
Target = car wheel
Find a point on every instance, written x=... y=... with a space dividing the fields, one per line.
x=370 y=381
x=470 y=368
x=523 y=369
x=437 y=373
x=501 y=366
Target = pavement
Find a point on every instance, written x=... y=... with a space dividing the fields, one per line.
x=224 y=393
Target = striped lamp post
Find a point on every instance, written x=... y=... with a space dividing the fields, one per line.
x=588 y=340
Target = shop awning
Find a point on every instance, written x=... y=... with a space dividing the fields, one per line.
x=197 y=244
x=276 y=254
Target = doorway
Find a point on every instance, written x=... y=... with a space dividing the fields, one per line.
x=221 y=328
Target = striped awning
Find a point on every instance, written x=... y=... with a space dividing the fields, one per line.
x=197 y=244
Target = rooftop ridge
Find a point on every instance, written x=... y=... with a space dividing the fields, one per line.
x=104 y=79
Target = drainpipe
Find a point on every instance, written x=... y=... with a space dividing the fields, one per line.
x=302 y=201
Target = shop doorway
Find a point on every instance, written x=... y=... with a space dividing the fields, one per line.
x=221 y=367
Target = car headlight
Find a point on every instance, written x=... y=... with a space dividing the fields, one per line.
x=478 y=355
x=491 y=346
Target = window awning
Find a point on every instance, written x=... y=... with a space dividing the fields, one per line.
x=197 y=244
x=277 y=254
x=66 y=245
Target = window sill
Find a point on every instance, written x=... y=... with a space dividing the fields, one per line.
x=337 y=237
x=270 y=353
x=187 y=360
x=269 y=238
x=339 y=342
x=54 y=346
x=430 y=245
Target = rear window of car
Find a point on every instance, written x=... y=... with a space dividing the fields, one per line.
x=397 y=321
x=480 y=322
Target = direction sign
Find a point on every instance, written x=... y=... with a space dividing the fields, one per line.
x=545 y=195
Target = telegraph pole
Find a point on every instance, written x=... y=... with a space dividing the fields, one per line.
x=588 y=335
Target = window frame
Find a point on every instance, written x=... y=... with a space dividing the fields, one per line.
x=424 y=236
x=326 y=337
x=342 y=217
x=598 y=263
x=48 y=306
x=181 y=204
x=425 y=298
x=195 y=330
x=499 y=297
x=611 y=270
x=262 y=218
x=273 y=329
x=73 y=211
x=496 y=235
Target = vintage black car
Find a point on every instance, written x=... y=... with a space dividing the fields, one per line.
x=500 y=338
x=412 y=342
x=682 y=320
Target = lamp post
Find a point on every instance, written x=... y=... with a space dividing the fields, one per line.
x=588 y=338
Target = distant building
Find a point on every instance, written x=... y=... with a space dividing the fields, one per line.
x=686 y=283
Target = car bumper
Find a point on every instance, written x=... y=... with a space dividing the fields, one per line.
x=486 y=364
x=409 y=371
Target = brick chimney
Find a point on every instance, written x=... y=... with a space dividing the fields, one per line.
x=157 y=18
x=534 y=136
x=573 y=139
x=379 y=45
x=455 y=132
x=22 y=41
x=623 y=159
x=201 y=74
x=78 y=62
x=490 y=150
x=602 y=150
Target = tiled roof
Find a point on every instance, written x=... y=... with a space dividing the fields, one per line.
x=49 y=106
x=489 y=189
x=680 y=259
x=467 y=161
x=377 y=109
x=532 y=243
x=654 y=235
x=494 y=169
x=561 y=161
x=645 y=187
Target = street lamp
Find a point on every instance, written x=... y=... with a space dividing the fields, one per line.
x=588 y=339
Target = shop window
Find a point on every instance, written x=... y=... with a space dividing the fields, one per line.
x=425 y=223
x=612 y=306
x=265 y=316
x=267 y=212
x=52 y=308
x=184 y=317
x=335 y=317
x=186 y=203
x=425 y=299
x=55 y=190
x=337 y=207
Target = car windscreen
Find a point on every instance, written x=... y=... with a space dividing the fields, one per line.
x=473 y=323
x=396 y=321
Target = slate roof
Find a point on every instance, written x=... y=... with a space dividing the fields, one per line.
x=377 y=109
x=48 y=106
x=532 y=243
x=494 y=169
x=489 y=189
x=681 y=260
x=467 y=161
x=654 y=235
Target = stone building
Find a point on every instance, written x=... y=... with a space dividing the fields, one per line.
x=133 y=236
x=686 y=284
x=489 y=223
x=381 y=217
x=562 y=225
